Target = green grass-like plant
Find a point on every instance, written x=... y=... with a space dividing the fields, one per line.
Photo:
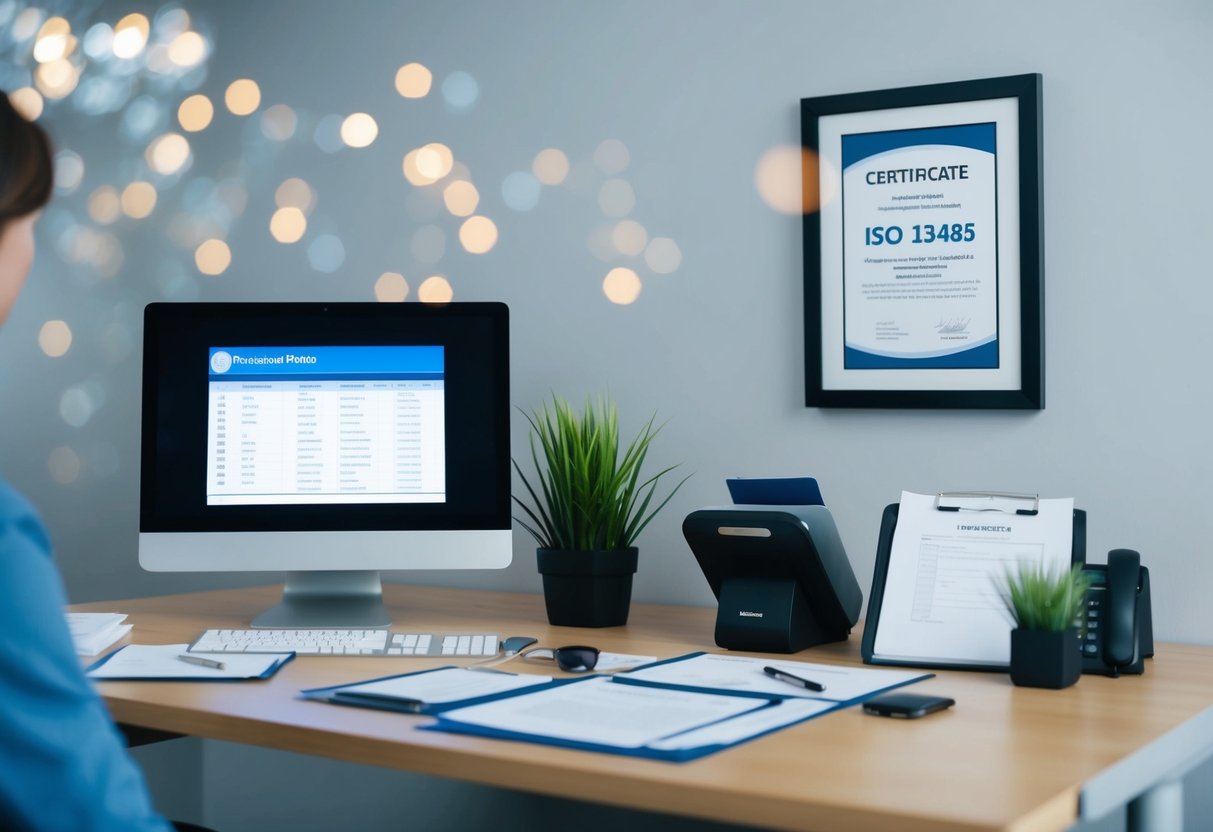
x=1039 y=599
x=589 y=495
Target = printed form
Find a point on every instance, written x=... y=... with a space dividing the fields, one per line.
x=942 y=600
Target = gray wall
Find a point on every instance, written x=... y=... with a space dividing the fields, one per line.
x=697 y=91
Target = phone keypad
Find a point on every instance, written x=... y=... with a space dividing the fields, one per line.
x=1090 y=632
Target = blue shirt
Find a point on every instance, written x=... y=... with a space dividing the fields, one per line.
x=63 y=764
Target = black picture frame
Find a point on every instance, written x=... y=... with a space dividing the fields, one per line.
x=1006 y=368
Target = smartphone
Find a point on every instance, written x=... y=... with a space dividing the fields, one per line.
x=906 y=705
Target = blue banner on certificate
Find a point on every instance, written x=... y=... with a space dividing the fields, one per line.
x=920 y=253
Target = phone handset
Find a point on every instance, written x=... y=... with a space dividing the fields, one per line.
x=1120 y=613
x=1117 y=633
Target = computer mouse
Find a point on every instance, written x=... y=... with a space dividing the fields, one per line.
x=515 y=644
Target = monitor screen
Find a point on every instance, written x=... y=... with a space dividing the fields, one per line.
x=331 y=437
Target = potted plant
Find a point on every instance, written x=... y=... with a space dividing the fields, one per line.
x=1045 y=646
x=588 y=505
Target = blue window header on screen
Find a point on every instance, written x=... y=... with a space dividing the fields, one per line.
x=263 y=363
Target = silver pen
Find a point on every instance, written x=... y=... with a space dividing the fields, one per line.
x=199 y=660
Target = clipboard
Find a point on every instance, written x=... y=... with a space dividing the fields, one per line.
x=884 y=547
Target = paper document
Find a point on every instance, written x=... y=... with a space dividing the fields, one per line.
x=448 y=684
x=92 y=632
x=942 y=600
x=603 y=712
x=162 y=661
x=744 y=674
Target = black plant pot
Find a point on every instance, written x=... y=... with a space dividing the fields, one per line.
x=1042 y=659
x=587 y=589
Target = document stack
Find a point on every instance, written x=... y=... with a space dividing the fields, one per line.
x=92 y=632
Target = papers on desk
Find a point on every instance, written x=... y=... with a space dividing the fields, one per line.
x=744 y=675
x=154 y=662
x=941 y=603
x=675 y=710
x=428 y=691
x=92 y=632
x=605 y=714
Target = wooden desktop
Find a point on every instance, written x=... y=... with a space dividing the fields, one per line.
x=1003 y=758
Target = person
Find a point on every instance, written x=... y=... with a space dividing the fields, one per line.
x=63 y=763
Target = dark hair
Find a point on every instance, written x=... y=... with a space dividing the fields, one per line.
x=27 y=174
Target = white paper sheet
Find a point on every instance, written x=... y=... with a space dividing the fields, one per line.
x=743 y=727
x=159 y=661
x=92 y=632
x=448 y=685
x=745 y=673
x=941 y=597
x=605 y=712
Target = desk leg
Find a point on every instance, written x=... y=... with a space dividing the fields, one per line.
x=1159 y=809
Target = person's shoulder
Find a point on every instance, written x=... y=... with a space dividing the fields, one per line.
x=18 y=516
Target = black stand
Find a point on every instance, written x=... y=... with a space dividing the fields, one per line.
x=767 y=615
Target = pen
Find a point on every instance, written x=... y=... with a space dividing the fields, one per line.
x=199 y=660
x=399 y=703
x=784 y=676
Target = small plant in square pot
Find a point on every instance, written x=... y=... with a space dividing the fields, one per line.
x=588 y=504
x=1045 y=648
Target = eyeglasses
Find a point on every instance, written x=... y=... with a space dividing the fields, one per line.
x=575 y=659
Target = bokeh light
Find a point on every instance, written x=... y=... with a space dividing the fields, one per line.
x=359 y=130
x=326 y=253
x=786 y=179
x=435 y=289
x=64 y=465
x=54 y=40
x=461 y=198
x=327 y=134
x=99 y=41
x=612 y=157
x=621 y=285
x=168 y=154
x=435 y=160
x=478 y=234
x=460 y=91
x=551 y=166
x=141 y=117
x=26 y=24
x=428 y=244
x=295 y=193
x=130 y=36
x=138 y=199
x=663 y=255
x=616 y=198
x=242 y=97
x=629 y=238
x=76 y=406
x=195 y=113
x=28 y=102
x=104 y=205
x=56 y=79
x=288 y=225
x=413 y=81
x=213 y=257
x=55 y=338
x=521 y=190
x=391 y=287
x=187 y=49
x=278 y=123
x=69 y=171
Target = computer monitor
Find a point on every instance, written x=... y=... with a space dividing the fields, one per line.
x=326 y=440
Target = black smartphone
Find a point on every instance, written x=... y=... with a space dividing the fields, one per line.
x=906 y=705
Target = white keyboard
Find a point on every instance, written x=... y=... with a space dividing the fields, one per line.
x=347 y=643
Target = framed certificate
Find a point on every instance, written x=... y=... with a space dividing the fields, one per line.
x=923 y=246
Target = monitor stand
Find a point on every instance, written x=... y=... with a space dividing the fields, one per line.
x=328 y=600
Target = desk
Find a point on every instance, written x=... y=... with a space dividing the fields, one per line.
x=1004 y=758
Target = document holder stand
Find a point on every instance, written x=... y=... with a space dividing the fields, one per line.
x=779 y=573
x=884 y=548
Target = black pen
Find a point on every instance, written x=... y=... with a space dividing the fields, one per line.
x=396 y=703
x=784 y=676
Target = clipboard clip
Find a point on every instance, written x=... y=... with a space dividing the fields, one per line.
x=986 y=501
